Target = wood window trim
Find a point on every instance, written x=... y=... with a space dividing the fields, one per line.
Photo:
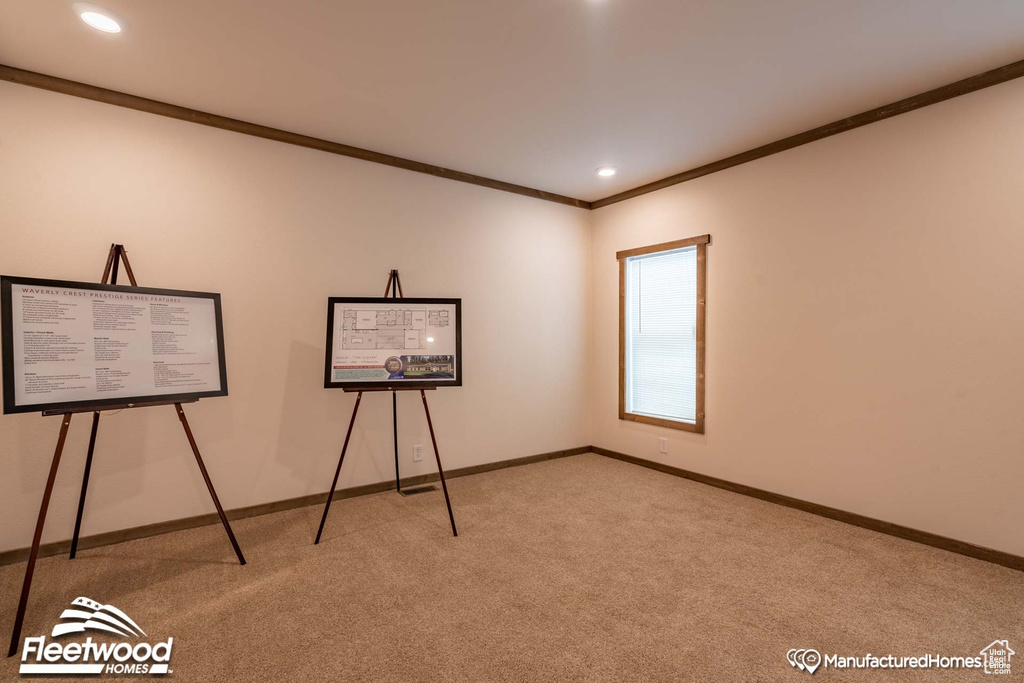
x=701 y=242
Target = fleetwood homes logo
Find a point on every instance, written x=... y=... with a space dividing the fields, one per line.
x=95 y=658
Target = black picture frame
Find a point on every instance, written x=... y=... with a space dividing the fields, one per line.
x=391 y=384
x=7 y=343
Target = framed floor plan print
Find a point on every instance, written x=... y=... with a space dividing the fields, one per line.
x=385 y=342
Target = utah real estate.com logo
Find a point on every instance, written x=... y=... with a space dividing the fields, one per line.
x=994 y=659
x=92 y=658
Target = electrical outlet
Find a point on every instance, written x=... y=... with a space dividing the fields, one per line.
x=663 y=445
x=417 y=453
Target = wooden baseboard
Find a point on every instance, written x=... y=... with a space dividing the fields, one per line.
x=122 y=535
x=951 y=544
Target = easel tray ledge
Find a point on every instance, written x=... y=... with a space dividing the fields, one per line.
x=353 y=390
x=102 y=407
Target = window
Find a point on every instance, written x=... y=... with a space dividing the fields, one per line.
x=661 y=333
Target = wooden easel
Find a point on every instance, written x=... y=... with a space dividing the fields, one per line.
x=395 y=289
x=115 y=257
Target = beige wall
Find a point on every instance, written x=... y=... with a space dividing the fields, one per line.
x=865 y=320
x=277 y=229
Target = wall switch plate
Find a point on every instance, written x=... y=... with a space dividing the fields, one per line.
x=663 y=445
x=417 y=453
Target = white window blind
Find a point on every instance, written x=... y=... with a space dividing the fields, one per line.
x=661 y=335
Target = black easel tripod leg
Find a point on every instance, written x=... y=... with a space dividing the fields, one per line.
x=440 y=470
x=394 y=419
x=85 y=482
x=34 y=552
x=394 y=395
x=209 y=484
x=334 y=484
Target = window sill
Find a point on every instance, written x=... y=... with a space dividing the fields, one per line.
x=697 y=428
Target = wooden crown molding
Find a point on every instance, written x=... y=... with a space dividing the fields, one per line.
x=120 y=99
x=97 y=94
x=946 y=92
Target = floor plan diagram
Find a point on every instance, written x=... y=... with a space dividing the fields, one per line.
x=386 y=328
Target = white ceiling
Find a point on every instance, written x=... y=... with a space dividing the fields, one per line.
x=533 y=92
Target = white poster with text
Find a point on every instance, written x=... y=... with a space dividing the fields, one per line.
x=80 y=345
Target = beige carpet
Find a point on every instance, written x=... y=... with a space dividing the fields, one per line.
x=583 y=568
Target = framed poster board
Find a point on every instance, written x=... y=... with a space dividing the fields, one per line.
x=378 y=342
x=76 y=344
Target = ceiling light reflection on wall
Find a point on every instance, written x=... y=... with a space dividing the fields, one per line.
x=607 y=171
x=99 y=18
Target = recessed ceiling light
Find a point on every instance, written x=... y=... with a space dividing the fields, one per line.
x=606 y=171
x=99 y=18
x=101 y=22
